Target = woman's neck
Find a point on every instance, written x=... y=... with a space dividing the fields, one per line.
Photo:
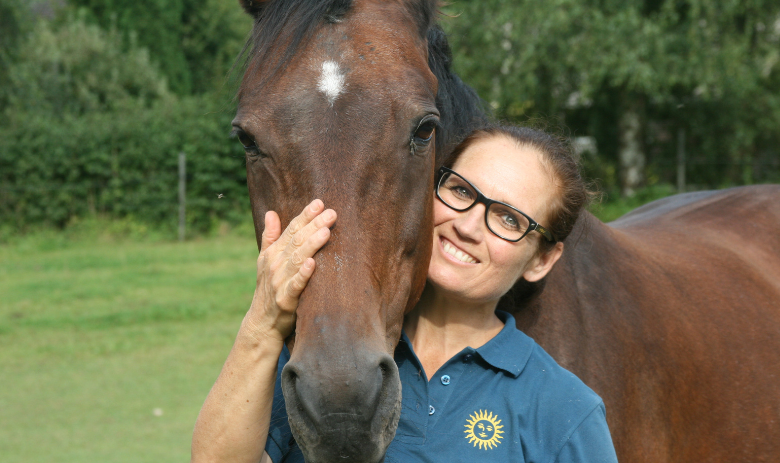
x=440 y=326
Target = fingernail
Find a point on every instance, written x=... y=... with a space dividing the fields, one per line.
x=315 y=205
x=309 y=263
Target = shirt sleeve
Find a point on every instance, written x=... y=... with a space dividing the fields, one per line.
x=590 y=442
x=280 y=438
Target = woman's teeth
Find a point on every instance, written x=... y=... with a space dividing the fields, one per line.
x=460 y=255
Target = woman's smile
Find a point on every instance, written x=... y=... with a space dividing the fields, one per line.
x=456 y=253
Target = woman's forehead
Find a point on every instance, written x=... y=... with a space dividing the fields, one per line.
x=506 y=172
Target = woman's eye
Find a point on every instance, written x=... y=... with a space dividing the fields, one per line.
x=461 y=192
x=510 y=221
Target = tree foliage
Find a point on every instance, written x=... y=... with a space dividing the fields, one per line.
x=76 y=68
x=90 y=128
x=96 y=103
x=192 y=42
x=711 y=68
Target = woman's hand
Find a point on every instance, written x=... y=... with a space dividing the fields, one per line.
x=233 y=423
x=284 y=267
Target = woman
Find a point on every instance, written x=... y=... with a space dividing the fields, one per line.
x=474 y=387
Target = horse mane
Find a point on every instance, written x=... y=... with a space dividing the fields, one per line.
x=460 y=108
x=294 y=21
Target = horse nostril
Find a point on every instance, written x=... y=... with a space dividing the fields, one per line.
x=289 y=373
x=388 y=368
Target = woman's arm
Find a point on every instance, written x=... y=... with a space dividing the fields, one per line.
x=233 y=423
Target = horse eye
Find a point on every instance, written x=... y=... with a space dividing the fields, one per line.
x=249 y=144
x=425 y=131
x=245 y=140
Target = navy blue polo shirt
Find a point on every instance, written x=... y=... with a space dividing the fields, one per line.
x=507 y=401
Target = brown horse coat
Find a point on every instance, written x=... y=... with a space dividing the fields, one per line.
x=672 y=315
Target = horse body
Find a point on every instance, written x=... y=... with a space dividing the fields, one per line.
x=672 y=315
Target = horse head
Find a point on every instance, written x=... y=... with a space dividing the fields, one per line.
x=339 y=102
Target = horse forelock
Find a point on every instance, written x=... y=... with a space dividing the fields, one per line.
x=294 y=21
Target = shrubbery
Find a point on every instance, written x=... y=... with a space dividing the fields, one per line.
x=90 y=129
x=123 y=163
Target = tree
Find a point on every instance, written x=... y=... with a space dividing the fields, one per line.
x=628 y=72
x=13 y=26
x=75 y=68
x=192 y=42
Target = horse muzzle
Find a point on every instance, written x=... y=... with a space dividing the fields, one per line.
x=343 y=409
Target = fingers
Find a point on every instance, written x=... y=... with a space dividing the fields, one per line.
x=281 y=261
x=285 y=264
x=308 y=248
x=272 y=230
x=300 y=280
x=309 y=213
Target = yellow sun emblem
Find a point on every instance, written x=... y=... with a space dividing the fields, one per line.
x=484 y=429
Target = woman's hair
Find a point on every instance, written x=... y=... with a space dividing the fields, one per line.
x=558 y=158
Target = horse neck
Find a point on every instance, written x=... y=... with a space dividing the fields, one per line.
x=563 y=312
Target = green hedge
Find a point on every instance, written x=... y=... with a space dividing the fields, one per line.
x=122 y=163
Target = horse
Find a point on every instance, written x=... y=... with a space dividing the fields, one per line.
x=354 y=102
x=672 y=315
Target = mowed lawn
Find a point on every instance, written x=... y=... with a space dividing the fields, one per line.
x=108 y=349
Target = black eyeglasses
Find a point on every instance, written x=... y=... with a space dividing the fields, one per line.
x=502 y=220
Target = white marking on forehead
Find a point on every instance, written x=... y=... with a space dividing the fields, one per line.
x=331 y=81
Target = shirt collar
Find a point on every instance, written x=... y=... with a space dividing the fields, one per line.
x=510 y=349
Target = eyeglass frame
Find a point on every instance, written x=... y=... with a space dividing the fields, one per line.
x=482 y=199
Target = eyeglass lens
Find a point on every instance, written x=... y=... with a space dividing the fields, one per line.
x=502 y=220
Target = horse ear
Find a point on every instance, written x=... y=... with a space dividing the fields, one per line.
x=253 y=7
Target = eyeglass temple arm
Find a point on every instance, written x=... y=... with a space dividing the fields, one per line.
x=544 y=232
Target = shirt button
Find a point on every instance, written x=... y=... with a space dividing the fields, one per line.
x=467 y=357
x=445 y=380
x=431 y=410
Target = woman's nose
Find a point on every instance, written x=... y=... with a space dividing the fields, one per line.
x=471 y=223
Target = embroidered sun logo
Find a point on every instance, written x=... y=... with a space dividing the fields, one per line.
x=484 y=429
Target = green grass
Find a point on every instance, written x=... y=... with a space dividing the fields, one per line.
x=95 y=334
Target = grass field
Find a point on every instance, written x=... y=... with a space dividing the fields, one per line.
x=108 y=346
x=108 y=349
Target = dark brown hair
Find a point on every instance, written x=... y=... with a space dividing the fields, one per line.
x=558 y=157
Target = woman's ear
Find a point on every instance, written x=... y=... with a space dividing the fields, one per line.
x=543 y=263
x=253 y=7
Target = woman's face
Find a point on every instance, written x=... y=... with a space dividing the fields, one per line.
x=504 y=172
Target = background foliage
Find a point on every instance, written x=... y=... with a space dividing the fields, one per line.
x=707 y=69
x=90 y=128
x=99 y=97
